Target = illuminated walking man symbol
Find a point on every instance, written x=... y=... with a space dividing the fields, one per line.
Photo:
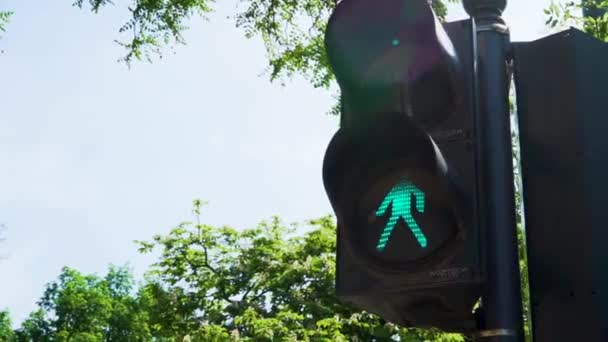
x=401 y=196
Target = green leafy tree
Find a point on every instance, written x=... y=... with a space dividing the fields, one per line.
x=292 y=30
x=259 y=284
x=80 y=305
x=128 y=320
x=266 y=283
x=5 y=17
x=561 y=14
x=6 y=331
x=35 y=328
x=87 y=308
x=525 y=289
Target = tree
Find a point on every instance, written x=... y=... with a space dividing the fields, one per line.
x=6 y=331
x=214 y=284
x=272 y=282
x=292 y=31
x=260 y=284
x=35 y=328
x=561 y=14
x=5 y=17
x=87 y=308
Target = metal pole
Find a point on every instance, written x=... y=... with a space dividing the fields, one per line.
x=501 y=298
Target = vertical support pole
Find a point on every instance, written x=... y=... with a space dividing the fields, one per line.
x=501 y=299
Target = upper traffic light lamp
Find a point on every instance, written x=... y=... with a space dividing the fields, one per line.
x=400 y=173
x=392 y=54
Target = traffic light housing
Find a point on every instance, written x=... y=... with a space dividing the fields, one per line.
x=561 y=99
x=401 y=172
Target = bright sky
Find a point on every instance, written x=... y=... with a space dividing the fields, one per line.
x=95 y=156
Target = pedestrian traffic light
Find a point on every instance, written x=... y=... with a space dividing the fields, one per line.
x=561 y=99
x=401 y=171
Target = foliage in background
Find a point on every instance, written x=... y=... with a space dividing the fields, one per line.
x=154 y=24
x=5 y=17
x=6 y=331
x=292 y=32
x=87 y=308
x=261 y=284
x=265 y=283
x=562 y=14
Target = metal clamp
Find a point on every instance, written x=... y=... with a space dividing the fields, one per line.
x=495 y=332
x=494 y=27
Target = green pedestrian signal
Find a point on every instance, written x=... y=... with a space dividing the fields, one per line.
x=401 y=171
x=401 y=197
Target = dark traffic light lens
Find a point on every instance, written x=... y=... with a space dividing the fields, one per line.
x=386 y=53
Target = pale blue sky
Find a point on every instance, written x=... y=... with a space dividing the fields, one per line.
x=95 y=156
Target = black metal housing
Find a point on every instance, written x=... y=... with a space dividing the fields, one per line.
x=562 y=85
